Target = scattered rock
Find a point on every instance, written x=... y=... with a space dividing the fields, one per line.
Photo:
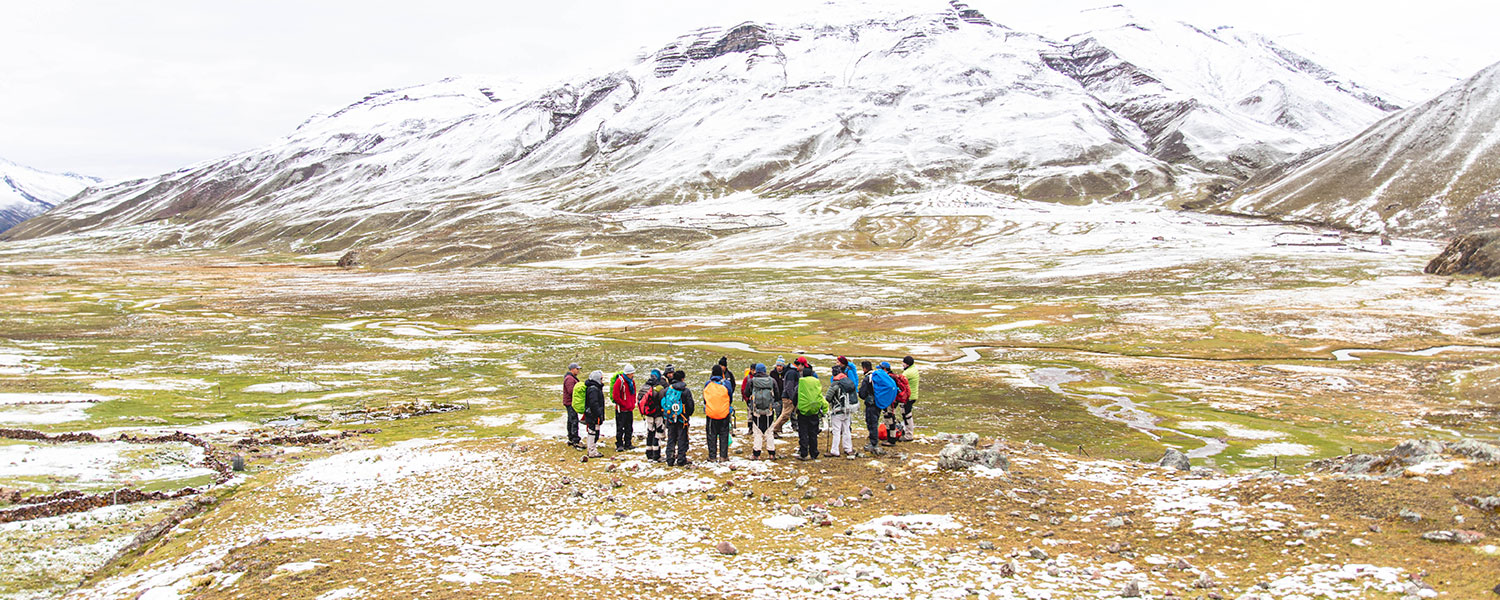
x=1476 y=450
x=865 y=492
x=1176 y=459
x=1486 y=503
x=1204 y=581
x=1131 y=590
x=1409 y=515
x=1412 y=449
x=890 y=487
x=1115 y=523
x=727 y=548
x=1008 y=569
x=1182 y=564
x=809 y=493
x=986 y=545
x=801 y=481
x=1039 y=553
x=959 y=456
x=1456 y=536
x=349 y=260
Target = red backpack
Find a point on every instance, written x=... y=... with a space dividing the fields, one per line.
x=903 y=388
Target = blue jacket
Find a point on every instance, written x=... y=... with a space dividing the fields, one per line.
x=885 y=389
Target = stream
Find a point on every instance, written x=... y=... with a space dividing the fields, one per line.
x=1120 y=409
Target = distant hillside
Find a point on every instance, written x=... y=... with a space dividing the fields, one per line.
x=26 y=192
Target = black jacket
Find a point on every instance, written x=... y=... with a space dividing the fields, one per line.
x=866 y=389
x=593 y=402
x=789 y=384
x=687 y=398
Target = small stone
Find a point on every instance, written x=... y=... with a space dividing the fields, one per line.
x=1131 y=590
x=727 y=548
x=1458 y=536
x=1175 y=459
x=986 y=545
x=1182 y=565
x=1038 y=553
x=1204 y=582
x=866 y=492
x=710 y=497
x=809 y=493
x=801 y=481
x=1409 y=515
x=1375 y=528
x=890 y=487
x=616 y=483
x=1115 y=523
x=1008 y=569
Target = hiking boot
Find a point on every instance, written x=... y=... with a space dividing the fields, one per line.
x=756 y=455
x=773 y=455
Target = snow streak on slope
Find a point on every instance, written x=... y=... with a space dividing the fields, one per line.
x=1432 y=170
x=27 y=192
x=854 y=102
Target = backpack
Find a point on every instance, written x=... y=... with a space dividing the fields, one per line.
x=643 y=400
x=716 y=401
x=671 y=406
x=579 y=401
x=903 y=393
x=764 y=397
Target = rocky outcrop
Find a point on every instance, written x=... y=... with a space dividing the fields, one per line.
x=1175 y=459
x=1473 y=254
x=963 y=453
x=1407 y=454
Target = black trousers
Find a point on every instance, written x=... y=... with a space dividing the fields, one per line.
x=807 y=435
x=718 y=438
x=677 y=444
x=872 y=422
x=573 y=427
x=624 y=430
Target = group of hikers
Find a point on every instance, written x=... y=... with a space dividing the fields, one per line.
x=773 y=398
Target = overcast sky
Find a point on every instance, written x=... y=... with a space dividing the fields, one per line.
x=131 y=89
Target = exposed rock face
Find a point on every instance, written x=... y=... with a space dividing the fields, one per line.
x=27 y=192
x=1430 y=171
x=1473 y=254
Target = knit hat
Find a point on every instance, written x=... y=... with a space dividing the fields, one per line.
x=718 y=371
x=723 y=361
x=597 y=376
x=629 y=369
x=780 y=361
x=909 y=360
x=843 y=361
x=655 y=376
x=760 y=369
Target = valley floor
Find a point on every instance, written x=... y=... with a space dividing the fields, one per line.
x=1085 y=349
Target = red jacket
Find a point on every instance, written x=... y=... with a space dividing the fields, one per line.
x=568 y=382
x=623 y=393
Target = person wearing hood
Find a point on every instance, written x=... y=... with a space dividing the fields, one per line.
x=913 y=377
x=789 y=395
x=570 y=380
x=841 y=399
x=883 y=388
x=624 y=395
x=810 y=409
x=677 y=430
x=763 y=400
x=778 y=374
x=593 y=412
x=745 y=393
x=718 y=409
x=648 y=400
x=872 y=413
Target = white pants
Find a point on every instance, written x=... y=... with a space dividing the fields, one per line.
x=760 y=432
x=839 y=425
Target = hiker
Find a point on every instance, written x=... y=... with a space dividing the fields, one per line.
x=676 y=408
x=718 y=408
x=570 y=380
x=649 y=402
x=883 y=391
x=789 y=394
x=841 y=401
x=912 y=377
x=847 y=368
x=593 y=414
x=746 y=394
x=810 y=409
x=899 y=432
x=728 y=375
x=872 y=412
x=778 y=374
x=622 y=391
x=763 y=396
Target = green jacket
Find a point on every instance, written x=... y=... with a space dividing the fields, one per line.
x=911 y=379
x=810 y=397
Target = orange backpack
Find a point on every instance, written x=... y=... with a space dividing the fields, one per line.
x=716 y=400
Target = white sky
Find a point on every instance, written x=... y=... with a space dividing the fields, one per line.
x=131 y=89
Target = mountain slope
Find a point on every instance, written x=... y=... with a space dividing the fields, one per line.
x=26 y=192
x=849 y=106
x=1429 y=171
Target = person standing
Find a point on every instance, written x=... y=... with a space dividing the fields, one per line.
x=677 y=408
x=593 y=413
x=789 y=394
x=872 y=412
x=622 y=391
x=913 y=377
x=649 y=403
x=840 y=397
x=810 y=409
x=778 y=374
x=718 y=408
x=763 y=400
x=883 y=389
x=570 y=380
x=745 y=394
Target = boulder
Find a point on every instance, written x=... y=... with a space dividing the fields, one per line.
x=958 y=456
x=1176 y=459
x=1414 y=450
x=727 y=548
x=1473 y=254
x=1131 y=590
x=1457 y=536
x=1476 y=450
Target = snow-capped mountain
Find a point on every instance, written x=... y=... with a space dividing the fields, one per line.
x=1431 y=171
x=26 y=192
x=851 y=104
